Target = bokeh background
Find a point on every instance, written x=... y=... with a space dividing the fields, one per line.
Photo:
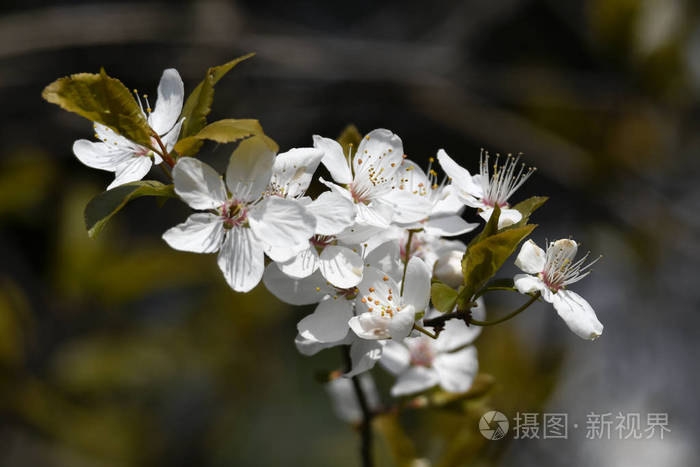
x=121 y=352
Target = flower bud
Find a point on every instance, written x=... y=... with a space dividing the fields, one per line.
x=448 y=268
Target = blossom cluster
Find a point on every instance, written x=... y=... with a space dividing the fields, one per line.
x=364 y=252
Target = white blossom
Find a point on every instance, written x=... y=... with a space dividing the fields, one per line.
x=241 y=226
x=550 y=273
x=131 y=161
x=488 y=189
x=421 y=362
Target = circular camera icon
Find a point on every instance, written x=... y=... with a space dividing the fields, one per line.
x=493 y=425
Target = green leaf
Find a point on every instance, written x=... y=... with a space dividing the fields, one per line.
x=490 y=228
x=225 y=131
x=103 y=99
x=198 y=103
x=483 y=259
x=443 y=296
x=529 y=206
x=103 y=206
x=349 y=138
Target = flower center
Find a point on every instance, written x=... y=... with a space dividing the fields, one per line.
x=498 y=186
x=233 y=214
x=421 y=351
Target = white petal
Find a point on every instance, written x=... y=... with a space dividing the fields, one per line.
x=448 y=226
x=200 y=233
x=416 y=291
x=249 y=169
x=531 y=258
x=461 y=178
x=448 y=202
x=577 y=314
x=334 y=159
x=386 y=258
x=333 y=213
x=171 y=93
x=304 y=291
x=448 y=268
x=395 y=357
x=456 y=371
x=370 y=326
x=341 y=266
x=241 y=259
x=401 y=323
x=506 y=218
x=345 y=403
x=170 y=138
x=364 y=355
x=337 y=189
x=302 y=264
x=100 y=155
x=112 y=138
x=525 y=283
x=455 y=335
x=328 y=323
x=378 y=150
x=292 y=170
x=131 y=170
x=198 y=184
x=413 y=380
x=375 y=214
x=310 y=347
x=357 y=234
x=283 y=223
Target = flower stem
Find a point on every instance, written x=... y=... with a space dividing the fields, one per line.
x=407 y=256
x=424 y=331
x=366 y=424
x=164 y=152
x=492 y=288
x=510 y=315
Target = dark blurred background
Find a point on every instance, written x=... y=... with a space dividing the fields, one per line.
x=121 y=352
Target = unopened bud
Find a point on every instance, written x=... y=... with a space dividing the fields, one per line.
x=448 y=268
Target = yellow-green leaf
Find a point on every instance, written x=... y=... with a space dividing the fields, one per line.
x=198 y=103
x=490 y=228
x=103 y=99
x=105 y=205
x=483 y=259
x=443 y=296
x=225 y=131
x=527 y=207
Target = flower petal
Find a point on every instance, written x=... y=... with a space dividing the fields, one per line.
x=344 y=398
x=413 y=380
x=328 y=323
x=416 y=291
x=334 y=159
x=369 y=326
x=333 y=213
x=401 y=323
x=395 y=357
x=302 y=264
x=364 y=354
x=456 y=371
x=100 y=155
x=170 y=138
x=380 y=151
x=525 y=283
x=531 y=258
x=375 y=214
x=456 y=334
x=171 y=93
x=448 y=226
x=131 y=170
x=341 y=266
x=198 y=184
x=200 y=233
x=304 y=291
x=506 y=218
x=282 y=223
x=249 y=169
x=461 y=178
x=241 y=259
x=292 y=170
x=310 y=347
x=577 y=314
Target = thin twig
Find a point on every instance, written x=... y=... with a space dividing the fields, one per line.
x=366 y=424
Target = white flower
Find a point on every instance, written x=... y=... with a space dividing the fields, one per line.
x=486 y=190
x=382 y=311
x=423 y=203
x=448 y=268
x=422 y=362
x=550 y=273
x=244 y=225
x=369 y=178
x=339 y=264
x=128 y=160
